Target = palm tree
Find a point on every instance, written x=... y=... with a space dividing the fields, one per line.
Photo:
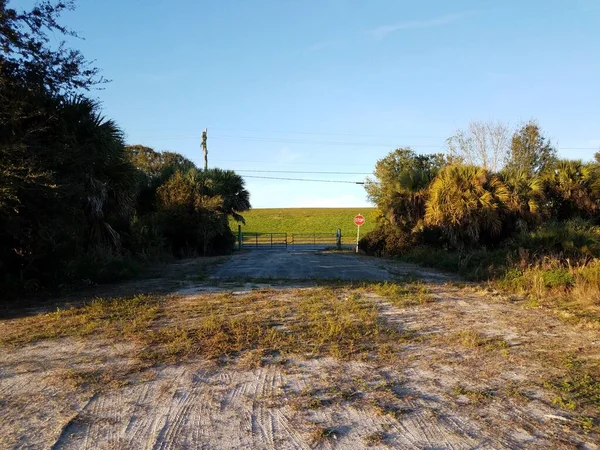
x=466 y=202
x=527 y=197
x=400 y=188
x=93 y=169
x=231 y=188
x=572 y=188
x=191 y=215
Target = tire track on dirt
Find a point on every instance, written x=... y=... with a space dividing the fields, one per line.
x=65 y=429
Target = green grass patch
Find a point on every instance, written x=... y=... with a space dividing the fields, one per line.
x=476 y=340
x=307 y=220
x=579 y=391
x=402 y=295
x=475 y=395
x=119 y=318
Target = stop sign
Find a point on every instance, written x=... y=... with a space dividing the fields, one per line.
x=359 y=220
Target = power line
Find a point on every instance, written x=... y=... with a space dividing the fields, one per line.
x=313 y=142
x=185 y=134
x=303 y=172
x=296 y=163
x=441 y=146
x=304 y=179
x=389 y=136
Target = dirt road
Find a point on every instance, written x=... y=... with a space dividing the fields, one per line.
x=301 y=265
x=469 y=369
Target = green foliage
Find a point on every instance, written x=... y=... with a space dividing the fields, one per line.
x=558 y=278
x=154 y=169
x=574 y=239
x=190 y=217
x=400 y=186
x=82 y=203
x=578 y=390
x=527 y=202
x=475 y=265
x=35 y=54
x=387 y=240
x=531 y=152
x=467 y=203
x=573 y=189
x=76 y=206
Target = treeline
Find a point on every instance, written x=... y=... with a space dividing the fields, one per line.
x=497 y=205
x=440 y=200
x=76 y=204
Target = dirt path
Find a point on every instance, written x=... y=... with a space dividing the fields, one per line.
x=474 y=373
x=300 y=265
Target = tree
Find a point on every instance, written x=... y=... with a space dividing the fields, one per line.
x=29 y=58
x=530 y=152
x=34 y=75
x=573 y=189
x=400 y=186
x=154 y=169
x=528 y=201
x=466 y=203
x=158 y=164
x=85 y=200
x=483 y=144
x=191 y=217
x=230 y=187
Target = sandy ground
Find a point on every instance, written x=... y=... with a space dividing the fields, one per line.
x=206 y=404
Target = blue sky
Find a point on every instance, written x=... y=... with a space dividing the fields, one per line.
x=334 y=85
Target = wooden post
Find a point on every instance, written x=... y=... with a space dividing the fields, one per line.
x=240 y=237
x=205 y=148
x=338 y=239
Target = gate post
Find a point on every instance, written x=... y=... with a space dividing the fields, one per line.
x=239 y=237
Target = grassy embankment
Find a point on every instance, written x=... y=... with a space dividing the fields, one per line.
x=307 y=220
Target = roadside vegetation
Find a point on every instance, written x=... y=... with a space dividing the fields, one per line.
x=78 y=206
x=499 y=207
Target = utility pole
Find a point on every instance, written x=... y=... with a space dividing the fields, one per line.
x=205 y=148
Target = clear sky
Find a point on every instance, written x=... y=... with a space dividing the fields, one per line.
x=334 y=85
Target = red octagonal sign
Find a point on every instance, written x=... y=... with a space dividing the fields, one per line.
x=359 y=220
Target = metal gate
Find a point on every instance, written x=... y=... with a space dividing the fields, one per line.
x=289 y=241
x=262 y=241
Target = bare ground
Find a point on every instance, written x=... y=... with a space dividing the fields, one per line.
x=477 y=372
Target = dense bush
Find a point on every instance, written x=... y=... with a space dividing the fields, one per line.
x=534 y=227
x=572 y=239
x=386 y=241
x=76 y=205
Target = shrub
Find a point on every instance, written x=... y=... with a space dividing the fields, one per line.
x=557 y=278
x=387 y=240
x=468 y=204
x=476 y=265
x=575 y=238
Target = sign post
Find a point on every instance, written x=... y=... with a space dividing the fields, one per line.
x=358 y=221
